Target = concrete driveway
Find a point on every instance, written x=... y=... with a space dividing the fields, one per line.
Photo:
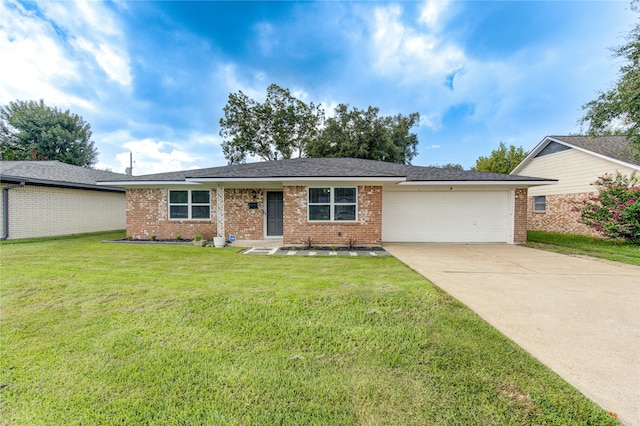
x=579 y=316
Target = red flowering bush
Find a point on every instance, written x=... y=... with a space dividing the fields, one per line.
x=615 y=211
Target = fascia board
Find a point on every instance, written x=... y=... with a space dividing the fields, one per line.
x=153 y=183
x=300 y=179
x=60 y=184
x=516 y=184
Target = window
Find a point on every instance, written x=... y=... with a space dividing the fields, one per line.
x=332 y=204
x=189 y=204
x=540 y=204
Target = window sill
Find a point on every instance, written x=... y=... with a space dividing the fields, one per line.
x=334 y=221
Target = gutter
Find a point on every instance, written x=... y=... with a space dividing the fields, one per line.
x=5 y=208
x=514 y=183
x=60 y=184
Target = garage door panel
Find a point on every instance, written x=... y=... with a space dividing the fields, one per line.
x=470 y=216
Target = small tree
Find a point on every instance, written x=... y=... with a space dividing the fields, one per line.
x=615 y=211
x=501 y=160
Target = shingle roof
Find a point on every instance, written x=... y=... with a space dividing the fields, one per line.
x=328 y=168
x=55 y=173
x=616 y=147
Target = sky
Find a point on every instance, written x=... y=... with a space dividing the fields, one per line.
x=152 y=78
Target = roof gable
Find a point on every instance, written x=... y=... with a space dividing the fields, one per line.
x=552 y=148
x=612 y=148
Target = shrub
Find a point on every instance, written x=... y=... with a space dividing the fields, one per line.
x=615 y=211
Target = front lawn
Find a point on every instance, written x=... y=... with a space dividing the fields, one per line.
x=105 y=334
x=618 y=251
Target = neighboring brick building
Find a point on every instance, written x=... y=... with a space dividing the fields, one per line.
x=329 y=201
x=575 y=162
x=50 y=198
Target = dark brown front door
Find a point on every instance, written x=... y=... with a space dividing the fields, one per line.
x=275 y=208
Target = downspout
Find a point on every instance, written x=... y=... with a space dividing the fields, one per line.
x=5 y=208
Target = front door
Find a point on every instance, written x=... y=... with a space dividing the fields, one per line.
x=275 y=210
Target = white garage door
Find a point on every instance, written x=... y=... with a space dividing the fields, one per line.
x=461 y=217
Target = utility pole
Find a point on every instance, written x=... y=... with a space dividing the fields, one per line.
x=129 y=170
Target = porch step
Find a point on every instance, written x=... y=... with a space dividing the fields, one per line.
x=276 y=250
x=261 y=250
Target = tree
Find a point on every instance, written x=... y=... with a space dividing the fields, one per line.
x=359 y=133
x=448 y=166
x=501 y=160
x=615 y=210
x=617 y=111
x=31 y=130
x=282 y=126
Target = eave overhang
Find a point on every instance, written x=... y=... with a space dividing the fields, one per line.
x=58 y=184
x=512 y=183
x=400 y=181
x=152 y=183
x=300 y=179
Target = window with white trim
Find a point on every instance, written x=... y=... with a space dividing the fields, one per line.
x=189 y=204
x=540 y=203
x=333 y=204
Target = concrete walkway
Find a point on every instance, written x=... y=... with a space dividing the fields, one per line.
x=579 y=316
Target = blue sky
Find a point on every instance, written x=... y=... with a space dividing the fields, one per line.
x=152 y=77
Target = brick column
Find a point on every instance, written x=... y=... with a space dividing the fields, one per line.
x=520 y=216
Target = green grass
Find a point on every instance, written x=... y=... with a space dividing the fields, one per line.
x=105 y=334
x=618 y=251
x=104 y=235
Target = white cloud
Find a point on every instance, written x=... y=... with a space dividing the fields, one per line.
x=266 y=39
x=227 y=75
x=430 y=120
x=154 y=155
x=46 y=46
x=109 y=58
x=151 y=156
x=401 y=50
x=544 y=84
x=95 y=30
x=28 y=50
x=300 y=94
x=432 y=12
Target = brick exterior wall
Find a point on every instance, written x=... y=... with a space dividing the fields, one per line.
x=559 y=216
x=148 y=214
x=367 y=229
x=520 y=216
x=239 y=219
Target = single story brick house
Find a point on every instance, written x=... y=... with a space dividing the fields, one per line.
x=330 y=201
x=50 y=198
x=575 y=162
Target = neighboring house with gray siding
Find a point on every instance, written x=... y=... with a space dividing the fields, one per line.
x=575 y=162
x=50 y=198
